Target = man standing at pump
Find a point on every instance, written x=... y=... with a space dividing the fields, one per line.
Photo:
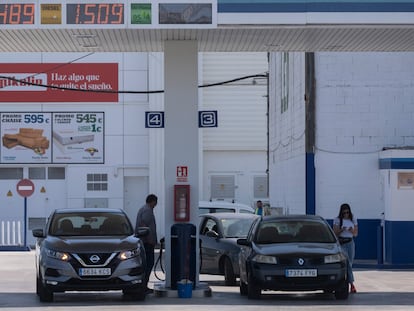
x=146 y=218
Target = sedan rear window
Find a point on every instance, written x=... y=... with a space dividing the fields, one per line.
x=294 y=232
x=90 y=224
x=236 y=228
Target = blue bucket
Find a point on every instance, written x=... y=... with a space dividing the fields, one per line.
x=185 y=289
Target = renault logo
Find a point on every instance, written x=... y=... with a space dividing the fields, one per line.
x=301 y=261
x=94 y=258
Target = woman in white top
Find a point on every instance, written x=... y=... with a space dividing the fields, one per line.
x=346 y=228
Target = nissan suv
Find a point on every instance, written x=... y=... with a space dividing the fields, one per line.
x=89 y=249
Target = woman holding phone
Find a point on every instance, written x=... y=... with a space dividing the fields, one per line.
x=345 y=226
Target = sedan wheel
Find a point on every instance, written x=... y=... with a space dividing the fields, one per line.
x=134 y=294
x=253 y=290
x=243 y=288
x=229 y=276
x=45 y=294
x=342 y=292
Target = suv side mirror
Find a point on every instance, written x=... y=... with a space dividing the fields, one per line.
x=38 y=233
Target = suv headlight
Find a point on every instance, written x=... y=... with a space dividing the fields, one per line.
x=129 y=254
x=57 y=255
x=264 y=259
x=334 y=258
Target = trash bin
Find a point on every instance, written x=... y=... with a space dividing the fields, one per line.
x=185 y=288
x=183 y=254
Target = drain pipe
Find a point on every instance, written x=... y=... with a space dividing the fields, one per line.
x=310 y=132
x=267 y=127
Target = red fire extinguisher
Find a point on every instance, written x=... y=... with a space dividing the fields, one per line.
x=181 y=202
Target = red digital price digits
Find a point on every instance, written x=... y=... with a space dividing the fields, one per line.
x=17 y=14
x=95 y=13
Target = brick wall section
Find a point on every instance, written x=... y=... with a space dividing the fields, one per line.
x=364 y=102
x=287 y=140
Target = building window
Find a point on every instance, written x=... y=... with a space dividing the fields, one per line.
x=223 y=187
x=97 y=182
x=11 y=173
x=37 y=173
x=284 y=98
x=37 y=222
x=56 y=173
x=260 y=187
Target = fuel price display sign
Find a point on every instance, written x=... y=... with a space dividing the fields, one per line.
x=109 y=14
x=95 y=13
x=17 y=14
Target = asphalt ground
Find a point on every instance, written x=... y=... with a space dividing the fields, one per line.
x=377 y=290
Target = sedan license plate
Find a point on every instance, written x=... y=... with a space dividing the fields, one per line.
x=301 y=273
x=94 y=271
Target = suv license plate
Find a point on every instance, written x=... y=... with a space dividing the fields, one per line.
x=301 y=273
x=94 y=271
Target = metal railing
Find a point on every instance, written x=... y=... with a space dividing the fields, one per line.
x=11 y=233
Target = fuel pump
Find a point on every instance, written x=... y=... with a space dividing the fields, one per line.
x=183 y=253
x=183 y=239
x=159 y=261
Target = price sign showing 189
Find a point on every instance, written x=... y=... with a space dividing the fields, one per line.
x=17 y=14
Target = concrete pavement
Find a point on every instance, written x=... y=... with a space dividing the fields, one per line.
x=377 y=290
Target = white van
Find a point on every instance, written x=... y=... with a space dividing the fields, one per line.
x=205 y=207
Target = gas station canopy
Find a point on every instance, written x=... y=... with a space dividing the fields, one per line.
x=217 y=25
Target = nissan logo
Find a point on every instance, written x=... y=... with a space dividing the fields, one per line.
x=94 y=258
x=301 y=261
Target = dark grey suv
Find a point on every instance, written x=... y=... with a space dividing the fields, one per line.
x=89 y=249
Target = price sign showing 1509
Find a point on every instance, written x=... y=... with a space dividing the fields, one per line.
x=95 y=13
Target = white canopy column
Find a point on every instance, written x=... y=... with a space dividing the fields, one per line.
x=181 y=134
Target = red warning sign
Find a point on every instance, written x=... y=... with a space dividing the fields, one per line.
x=182 y=173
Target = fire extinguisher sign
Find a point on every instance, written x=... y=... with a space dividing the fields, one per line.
x=182 y=173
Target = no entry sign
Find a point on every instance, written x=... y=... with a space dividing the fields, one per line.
x=25 y=187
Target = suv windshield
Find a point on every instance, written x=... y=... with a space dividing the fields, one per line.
x=89 y=224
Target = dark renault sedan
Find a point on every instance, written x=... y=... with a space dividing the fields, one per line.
x=89 y=249
x=219 y=249
x=292 y=253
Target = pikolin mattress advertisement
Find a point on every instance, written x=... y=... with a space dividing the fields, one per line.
x=52 y=137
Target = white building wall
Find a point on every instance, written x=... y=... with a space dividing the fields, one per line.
x=287 y=139
x=156 y=139
x=126 y=138
x=243 y=165
x=241 y=105
x=365 y=102
x=134 y=155
x=238 y=145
